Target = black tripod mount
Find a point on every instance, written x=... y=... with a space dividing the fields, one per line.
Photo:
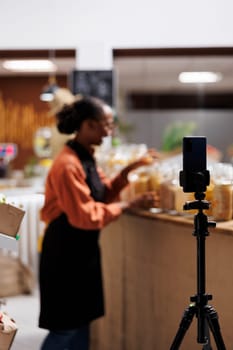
x=207 y=317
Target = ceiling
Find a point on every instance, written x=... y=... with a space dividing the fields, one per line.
x=149 y=74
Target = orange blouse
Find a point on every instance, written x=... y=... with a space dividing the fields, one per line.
x=66 y=191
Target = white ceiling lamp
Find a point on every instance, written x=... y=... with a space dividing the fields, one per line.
x=199 y=77
x=30 y=65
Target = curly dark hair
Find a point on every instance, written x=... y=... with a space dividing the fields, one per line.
x=71 y=117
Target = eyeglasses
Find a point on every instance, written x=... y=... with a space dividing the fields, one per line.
x=107 y=124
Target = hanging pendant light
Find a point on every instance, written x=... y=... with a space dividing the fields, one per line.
x=48 y=91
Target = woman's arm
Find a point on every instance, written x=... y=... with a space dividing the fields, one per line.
x=120 y=181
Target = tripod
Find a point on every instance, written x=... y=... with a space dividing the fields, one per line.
x=207 y=317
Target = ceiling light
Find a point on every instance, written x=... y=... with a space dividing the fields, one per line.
x=199 y=77
x=43 y=65
x=48 y=91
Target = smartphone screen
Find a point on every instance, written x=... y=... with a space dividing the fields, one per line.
x=194 y=177
x=194 y=154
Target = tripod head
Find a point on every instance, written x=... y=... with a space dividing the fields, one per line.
x=199 y=203
x=201 y=222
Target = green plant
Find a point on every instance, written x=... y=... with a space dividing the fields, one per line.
x=174 y=133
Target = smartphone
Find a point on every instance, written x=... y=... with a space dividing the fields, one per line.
x=194 y=177
x=194 y=154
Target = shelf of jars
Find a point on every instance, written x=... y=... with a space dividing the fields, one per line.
x=163 y=176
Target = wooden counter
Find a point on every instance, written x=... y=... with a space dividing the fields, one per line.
x=149 y=264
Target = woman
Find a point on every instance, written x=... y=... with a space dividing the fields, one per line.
x=79 y=202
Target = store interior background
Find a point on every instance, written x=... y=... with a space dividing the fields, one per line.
x=91 y=33
x=177 y=34
x=148 y=96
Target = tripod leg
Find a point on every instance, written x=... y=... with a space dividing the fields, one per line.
x=184 y=326
x=207 y=346
x=212 y=318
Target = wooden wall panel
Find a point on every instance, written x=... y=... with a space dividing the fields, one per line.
x=22 y=112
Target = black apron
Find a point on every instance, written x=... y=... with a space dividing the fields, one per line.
x=71 y=291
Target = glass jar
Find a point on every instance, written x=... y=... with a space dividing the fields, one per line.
x=222 y=202
x=139 y=182
x=155 y=178
x=181 y=198
x=222 y=192
x=168 y=188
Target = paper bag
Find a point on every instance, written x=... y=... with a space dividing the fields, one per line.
x=10 y=219
x=8 y=329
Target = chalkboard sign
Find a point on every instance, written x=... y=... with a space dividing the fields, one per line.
x=97 y=83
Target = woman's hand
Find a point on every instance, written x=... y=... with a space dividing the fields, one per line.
x=150 y=157
x=147 y=159
x=146 y=200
